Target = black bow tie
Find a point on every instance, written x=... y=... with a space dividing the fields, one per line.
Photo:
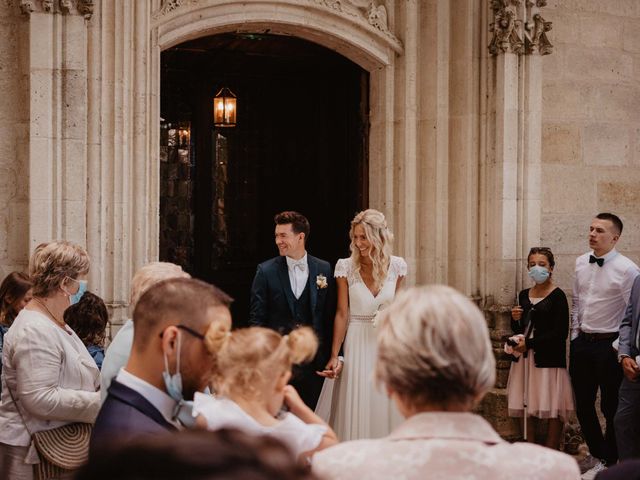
x=599 y=261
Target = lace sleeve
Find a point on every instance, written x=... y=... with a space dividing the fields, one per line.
x=342 y=268
x=399 y=266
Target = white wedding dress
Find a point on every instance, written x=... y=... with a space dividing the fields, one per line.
x=352 y=404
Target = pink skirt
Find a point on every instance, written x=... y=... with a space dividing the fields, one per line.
x=548 y=392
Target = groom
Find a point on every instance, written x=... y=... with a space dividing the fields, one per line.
x=296 y=289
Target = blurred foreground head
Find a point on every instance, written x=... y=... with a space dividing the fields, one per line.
x=196 y=455
x=434 y=351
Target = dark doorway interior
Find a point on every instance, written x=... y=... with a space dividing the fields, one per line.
x=300 y=144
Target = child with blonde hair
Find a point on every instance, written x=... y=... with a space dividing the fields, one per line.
x=252 y=368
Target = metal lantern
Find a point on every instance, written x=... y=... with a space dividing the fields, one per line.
x=224 y=108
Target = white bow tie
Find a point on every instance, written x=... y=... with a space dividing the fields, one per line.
x=302 y=265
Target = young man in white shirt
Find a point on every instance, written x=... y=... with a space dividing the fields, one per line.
x=602 y=285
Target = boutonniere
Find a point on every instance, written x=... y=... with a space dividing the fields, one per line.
x=321 y=282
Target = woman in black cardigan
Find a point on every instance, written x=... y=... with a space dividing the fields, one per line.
x=541 y=324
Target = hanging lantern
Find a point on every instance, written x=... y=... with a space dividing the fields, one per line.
x=224 y=108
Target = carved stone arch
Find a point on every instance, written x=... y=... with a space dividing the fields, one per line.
x=358 y=33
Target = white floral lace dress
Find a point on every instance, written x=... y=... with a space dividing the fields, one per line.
x=352 y=404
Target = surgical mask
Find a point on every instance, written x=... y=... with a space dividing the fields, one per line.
x=82 y=288
x=173 y=384
x=539 y=274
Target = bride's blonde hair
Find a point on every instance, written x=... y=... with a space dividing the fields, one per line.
x=380 y=238
x=248 y=359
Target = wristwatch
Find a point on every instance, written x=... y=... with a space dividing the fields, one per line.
x=340 y=358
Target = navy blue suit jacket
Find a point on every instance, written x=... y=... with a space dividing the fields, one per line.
x=125 y=415
x=272 y=301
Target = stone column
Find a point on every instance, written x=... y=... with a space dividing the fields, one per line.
x=56 y=34
x=122 y=198
x=510 y=221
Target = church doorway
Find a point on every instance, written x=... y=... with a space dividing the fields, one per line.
x=300 y=143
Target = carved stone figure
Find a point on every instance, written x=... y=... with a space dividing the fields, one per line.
x=505 y=36
x=377 y=16
x=538 y=40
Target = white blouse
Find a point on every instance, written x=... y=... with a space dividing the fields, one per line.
x=220 y=412
x=51 y=375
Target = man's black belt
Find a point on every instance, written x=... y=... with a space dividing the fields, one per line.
x=596 y=337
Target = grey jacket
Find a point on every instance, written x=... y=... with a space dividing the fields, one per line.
x=629 y=324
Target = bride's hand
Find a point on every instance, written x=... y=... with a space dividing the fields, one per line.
x=331 y=369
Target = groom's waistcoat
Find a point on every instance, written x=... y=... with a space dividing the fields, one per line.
x=302 y=309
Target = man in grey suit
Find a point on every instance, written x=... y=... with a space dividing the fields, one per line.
x=627 y=419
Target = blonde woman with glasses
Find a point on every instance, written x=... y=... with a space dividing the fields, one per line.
x=367 y=282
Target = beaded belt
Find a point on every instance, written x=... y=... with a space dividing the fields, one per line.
x=361 y=318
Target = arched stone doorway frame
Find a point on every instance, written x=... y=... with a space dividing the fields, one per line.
x=346 y=28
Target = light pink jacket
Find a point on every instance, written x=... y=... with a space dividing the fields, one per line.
x=443 y=445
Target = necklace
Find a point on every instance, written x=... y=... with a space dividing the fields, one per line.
x=53 y=317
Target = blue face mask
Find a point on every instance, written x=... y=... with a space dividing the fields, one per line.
x=539 y=274
x=173 y=384
x=82 y=288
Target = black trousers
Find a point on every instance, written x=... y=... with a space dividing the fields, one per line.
x=593 y=365
x=308 y=383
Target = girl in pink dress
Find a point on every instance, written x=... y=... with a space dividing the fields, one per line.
x=538 y=375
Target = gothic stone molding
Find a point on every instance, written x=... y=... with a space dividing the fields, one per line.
x=518 y=27
x=65 y=7
x=372 y=13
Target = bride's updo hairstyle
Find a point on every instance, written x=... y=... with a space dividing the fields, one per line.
x=380 y=238
x=249 y=359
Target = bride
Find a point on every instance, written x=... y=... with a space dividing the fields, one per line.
x=367 y=283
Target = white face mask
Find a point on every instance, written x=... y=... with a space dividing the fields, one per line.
x=173 y=384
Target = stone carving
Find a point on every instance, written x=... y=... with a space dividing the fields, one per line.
x=65 y=7
x=85 y=7
x=519 y=27
x=27 y=6
x=368 y=10
x=377 y=16
x=372 y=13
x=168 y=6
x=537 y=36
x=506 y=27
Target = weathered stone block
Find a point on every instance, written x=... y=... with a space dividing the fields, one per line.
x=563 y=189
x=619 y=196
x=598 y=63
x=561 y=143
x=614 y=103
x=565 y=101
x=600 y=31
x=631 y=35
x=606 y=144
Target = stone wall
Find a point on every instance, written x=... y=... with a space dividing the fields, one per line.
x=591 y=126
x=14 y=140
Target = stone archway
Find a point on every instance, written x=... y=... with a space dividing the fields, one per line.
x=124 y=74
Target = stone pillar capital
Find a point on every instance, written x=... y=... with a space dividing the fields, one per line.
x=518 y=27
x=65 y=7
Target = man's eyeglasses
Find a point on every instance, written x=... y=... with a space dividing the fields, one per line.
x=188 y=330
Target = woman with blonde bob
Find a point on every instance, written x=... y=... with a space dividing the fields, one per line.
x=49 y=378
x=436 y=362
x=251 y=371
x=367 y=282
